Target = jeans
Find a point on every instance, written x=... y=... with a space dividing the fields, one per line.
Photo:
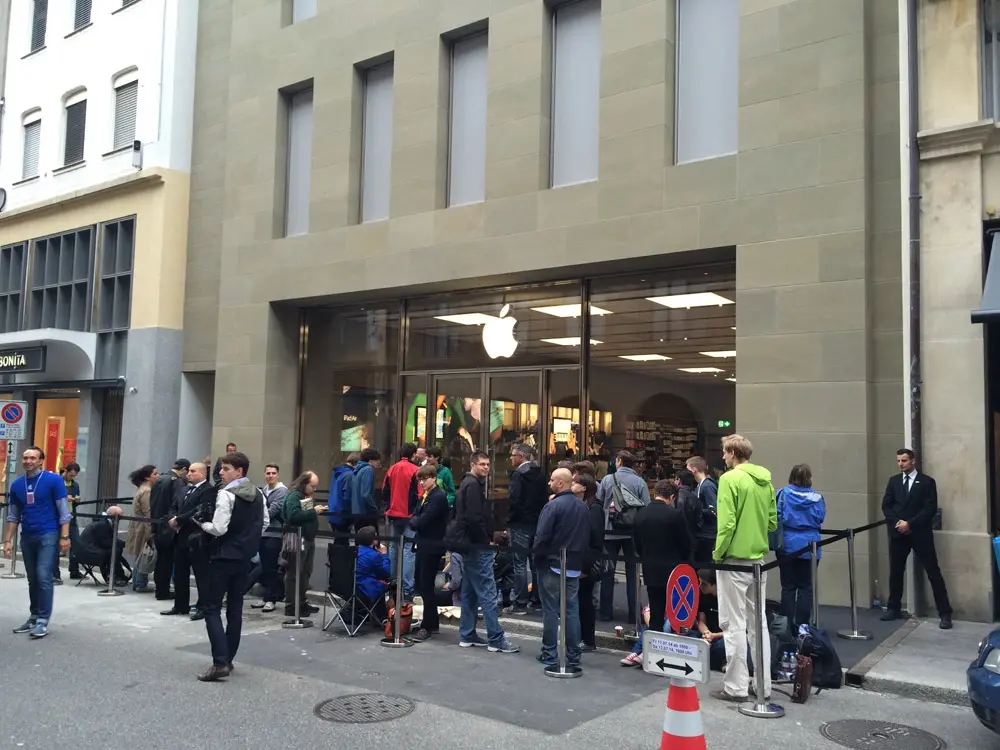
x=738 y=618
x=270 y=577
x=39 y=552
x=616 y=548
x=479 y=590
x=796 y=592
x=522 y=536
x=548 y=585
x=225 y=578
x=254 y=575
x=402 y=526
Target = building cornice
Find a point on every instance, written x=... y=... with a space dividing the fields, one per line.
x=146 y=179
x=957 y=140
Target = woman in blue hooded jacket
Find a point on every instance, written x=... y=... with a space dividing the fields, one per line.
x=802 y=511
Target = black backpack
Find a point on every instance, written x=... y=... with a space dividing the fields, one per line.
x=827 y=672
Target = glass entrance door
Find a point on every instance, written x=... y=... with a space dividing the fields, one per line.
x=514 y=410
x=456 y=422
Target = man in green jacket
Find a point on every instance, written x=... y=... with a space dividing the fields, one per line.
x=445 y=479
x=747 y=511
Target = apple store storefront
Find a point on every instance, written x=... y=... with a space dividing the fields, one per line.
x=576 y=369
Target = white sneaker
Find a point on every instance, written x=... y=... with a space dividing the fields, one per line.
x=268 y=606
x=632 y=660
x=259 y=605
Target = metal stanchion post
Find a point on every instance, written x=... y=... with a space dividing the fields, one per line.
x=112 y=591
x=814 y=576
x=562 y=669
x=853 y=634
x=13 y=561
x=397 y=640
x=298 y=623
x=760 y=707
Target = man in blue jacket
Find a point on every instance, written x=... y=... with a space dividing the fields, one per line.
x=38 y=504
x=563 y=524
x=364 y=511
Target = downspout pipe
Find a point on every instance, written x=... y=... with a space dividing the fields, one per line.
x=914 y=594
x=913 y=229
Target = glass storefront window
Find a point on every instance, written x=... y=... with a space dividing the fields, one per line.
x=520 y=327
x=665 y=367
x=350 y=387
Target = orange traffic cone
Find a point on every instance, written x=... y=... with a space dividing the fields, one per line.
x=682 y=728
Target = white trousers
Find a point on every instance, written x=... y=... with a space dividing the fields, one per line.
x=738 y=617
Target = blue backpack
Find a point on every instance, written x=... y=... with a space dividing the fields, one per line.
x=340 y=494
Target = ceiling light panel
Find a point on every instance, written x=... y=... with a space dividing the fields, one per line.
x=467 y=319
x=699 y=299
x=644 y=357
x=569 y=311
x=700 y=370
x=569 y=341
x=719 y=355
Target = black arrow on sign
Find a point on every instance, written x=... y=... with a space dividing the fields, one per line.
x=686 y=669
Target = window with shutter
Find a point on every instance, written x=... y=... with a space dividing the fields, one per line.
x=76 y=127
x=82 y=17
x=39 y=20
x=32 y=142
x=126 y=105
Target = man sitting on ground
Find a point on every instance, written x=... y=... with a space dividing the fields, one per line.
x=708 y=620
x=372 y=572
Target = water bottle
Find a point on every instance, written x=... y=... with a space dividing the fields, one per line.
x=876 y=601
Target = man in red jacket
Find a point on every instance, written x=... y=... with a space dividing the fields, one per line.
x=400 y=487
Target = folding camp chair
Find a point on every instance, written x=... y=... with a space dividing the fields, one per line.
x=350 y=609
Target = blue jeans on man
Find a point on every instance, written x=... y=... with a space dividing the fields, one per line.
x=548 y=585
x=522 y=536
x=402 y=526
x=479 y=589
x=39 y=552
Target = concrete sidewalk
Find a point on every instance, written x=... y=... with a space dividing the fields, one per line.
x=922 y=661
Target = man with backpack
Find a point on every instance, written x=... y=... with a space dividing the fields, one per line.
x=339 y=504
x=622 y=493
x=708 y=492
x=364 y=509
x=688 y=502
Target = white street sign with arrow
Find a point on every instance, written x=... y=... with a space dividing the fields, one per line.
x=670 y=655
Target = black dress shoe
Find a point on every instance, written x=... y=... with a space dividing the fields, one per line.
x=168 y=612
x=214 y=674
x=197 y=616
x=945 y=623
x=891 y=614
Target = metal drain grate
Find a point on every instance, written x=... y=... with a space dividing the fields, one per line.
x=368 y=708
x=862 y=734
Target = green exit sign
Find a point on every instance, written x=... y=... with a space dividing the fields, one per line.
x=725 y=423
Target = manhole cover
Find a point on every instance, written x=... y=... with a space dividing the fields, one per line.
x=863 y=734
x=367 y=708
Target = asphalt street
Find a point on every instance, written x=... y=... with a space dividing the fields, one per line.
x=113 y=673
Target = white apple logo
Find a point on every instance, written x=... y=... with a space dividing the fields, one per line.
x=498 y=335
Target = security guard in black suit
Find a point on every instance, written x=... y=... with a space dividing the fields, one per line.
x=910 y=504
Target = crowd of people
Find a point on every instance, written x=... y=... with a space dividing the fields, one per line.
x=233 y=535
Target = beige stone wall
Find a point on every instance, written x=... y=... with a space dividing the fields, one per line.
x=956 y=186
x=810 y=200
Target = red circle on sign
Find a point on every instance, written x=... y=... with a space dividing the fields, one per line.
x=11 y=413
x=683 y=593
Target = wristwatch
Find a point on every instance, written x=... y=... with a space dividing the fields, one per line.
x=64 y=538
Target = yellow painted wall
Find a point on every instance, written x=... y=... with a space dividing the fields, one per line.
x=159 y=200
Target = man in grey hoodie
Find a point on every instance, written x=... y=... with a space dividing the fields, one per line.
x=619 y=542
x=274 y=491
